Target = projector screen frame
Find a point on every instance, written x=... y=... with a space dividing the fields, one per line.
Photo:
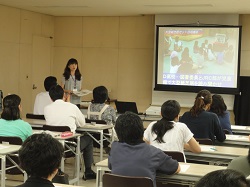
x=190 y=88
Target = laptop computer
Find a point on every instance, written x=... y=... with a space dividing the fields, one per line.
x=123 y=106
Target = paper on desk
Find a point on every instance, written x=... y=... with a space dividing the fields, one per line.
x=4 y=146
x=207 y=148
x=82 y=92
x=236 y=137
x=184 y=168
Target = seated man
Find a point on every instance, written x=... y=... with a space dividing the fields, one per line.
x=40 y=156
x=61 y=113
x=43 y=98
x=131 y=156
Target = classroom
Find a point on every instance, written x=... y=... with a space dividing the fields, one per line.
x=116 y=50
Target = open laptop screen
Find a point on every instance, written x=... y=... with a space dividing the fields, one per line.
x=122 y=107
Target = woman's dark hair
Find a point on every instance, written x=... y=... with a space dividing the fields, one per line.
x=129 y=128
x=169 y=111
x=218 y=105
x=11 y=109
x=40 y=155
x=66 y=73
x=100 y=94
x=56 y=92
x=203 y=98
x=225 y=178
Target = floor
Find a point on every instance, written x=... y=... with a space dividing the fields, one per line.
x=12 y=180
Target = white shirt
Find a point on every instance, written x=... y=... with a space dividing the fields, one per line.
x=61 y=113
x=174 y=138
x=42 y=99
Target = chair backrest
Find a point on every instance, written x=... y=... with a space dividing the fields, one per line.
x=177 y=155
x=96 y=121
x=34 y=116
x=56 y=128
x=204 y=141
x=111 y=180
x=11 y=140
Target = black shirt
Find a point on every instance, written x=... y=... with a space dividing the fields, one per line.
x=36 y=182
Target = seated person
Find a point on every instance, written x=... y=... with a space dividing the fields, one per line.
x=203 y=124
x=131 y=156
x=219 y=107
x=43 y=98
x=241 y=164
x=61 y=113
x=40 y=156
x=10 y=122
x=98 y=110
x=225 y=178
x=168 y=134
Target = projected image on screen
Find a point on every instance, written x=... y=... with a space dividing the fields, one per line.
x=198 y=56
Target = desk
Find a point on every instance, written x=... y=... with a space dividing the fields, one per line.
x=216 y=154
x=189 y=174
x=6 y=149
x=37 y=123
x=77 y=153
x=235 y=140
x=237 y=129
x=97 y=128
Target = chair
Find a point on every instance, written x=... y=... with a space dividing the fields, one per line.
x=12 y=161
x=111 y=180
x=179 y=156
x=34 y=116
x=204 y=141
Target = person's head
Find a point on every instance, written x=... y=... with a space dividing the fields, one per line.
x=11 y=107
x=49 y=82
x=72 y=66
x=170 y=110
x=56 y=92
x=202 y=102
x=100 y=94
x=225 y=178
x=40 y=155
x=218 y=105
x=129 y=128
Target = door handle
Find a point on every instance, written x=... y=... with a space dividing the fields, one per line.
x=34 y=87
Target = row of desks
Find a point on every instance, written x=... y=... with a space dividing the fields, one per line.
x=189 y=174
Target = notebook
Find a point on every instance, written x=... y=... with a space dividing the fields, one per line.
x=122 y=107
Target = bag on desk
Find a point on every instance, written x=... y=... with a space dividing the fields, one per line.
x=61 y=177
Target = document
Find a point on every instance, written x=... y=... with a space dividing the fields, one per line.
x=82 y=92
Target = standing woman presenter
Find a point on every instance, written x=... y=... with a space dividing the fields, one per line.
x=72 y=81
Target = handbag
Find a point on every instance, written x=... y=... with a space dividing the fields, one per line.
x=61 y=177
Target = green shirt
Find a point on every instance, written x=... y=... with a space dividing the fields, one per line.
x=17 y=128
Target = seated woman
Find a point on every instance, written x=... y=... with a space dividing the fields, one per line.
x=168 y=134
x=202 y=123
x=40 y=156
x=10 y=122
x=98 y=110
x=219 y=107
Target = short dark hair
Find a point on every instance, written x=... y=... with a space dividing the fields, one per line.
x=56 y=92
x=225 y=178
x=129 y=128
x=11 y=109
x=40 y=155
x=218 y=105
x=49 y=82
x=100 y=94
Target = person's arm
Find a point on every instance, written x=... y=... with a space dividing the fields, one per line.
x=193 y=146
x=218 y=132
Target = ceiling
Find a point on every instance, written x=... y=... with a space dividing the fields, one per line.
x=130 y=7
